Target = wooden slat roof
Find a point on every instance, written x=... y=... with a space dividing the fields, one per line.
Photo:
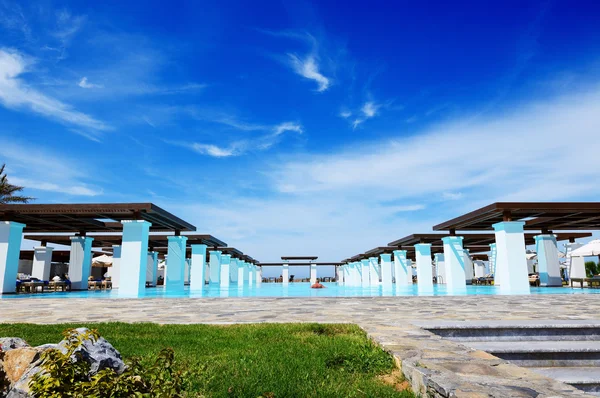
x=300 y=258
x=90 y=217
x=154 y=240
x=547 y=216
x=473 y=240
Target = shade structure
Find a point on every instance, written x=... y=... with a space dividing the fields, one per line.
x=102 y=261
x=592 y=248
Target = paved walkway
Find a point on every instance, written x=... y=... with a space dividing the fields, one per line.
x=435 y=367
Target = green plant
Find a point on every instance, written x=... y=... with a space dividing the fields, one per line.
x=8 y=191
x=591 y=268
x=60 y=376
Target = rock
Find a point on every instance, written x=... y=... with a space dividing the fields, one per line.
x=99 y=354
x=17 y=361
x=21 y=388
x=10 y=343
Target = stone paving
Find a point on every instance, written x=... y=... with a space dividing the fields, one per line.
x=434 y=366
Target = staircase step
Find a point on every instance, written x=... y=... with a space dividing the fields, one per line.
x=583 y=378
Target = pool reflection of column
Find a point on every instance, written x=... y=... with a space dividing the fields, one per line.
x=424 y=268
x=285 y=273
x=175 y=278
x=374 y=271
x=386 y=271
x=511 y=262
x=454 y=261
x=198 y=267
x=403 y=270
x=548 y=265
x=224 y=277
x=215 y=266
x=11 y=236
x=365 y=273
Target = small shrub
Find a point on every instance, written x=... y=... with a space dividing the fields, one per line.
x=591 y=268
x=60 y=376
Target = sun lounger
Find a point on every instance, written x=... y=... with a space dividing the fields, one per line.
x=593 y=282
x=55 y=285
x=32 y=286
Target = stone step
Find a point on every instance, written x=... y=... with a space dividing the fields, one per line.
x=584 y=378
x=564 y=330
x=543 y=353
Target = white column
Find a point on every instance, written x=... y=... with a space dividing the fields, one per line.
x=357 y=271
x=134 y=257
x=258 y=275
x=424 y=268
x=339 y=275
x=481 y=269
x=224 y=278
x=365 y=272
x=11 y=235
x=402 y=268
x=548 y=265
x=115 y=270
x=313 y=273
x=233 y=269
x=454 y=263
x=469 y=270
x=240 y=278
x=198 y=267
x=175 y=278
x=80 y=262
x=511 y=263
x=440 y=267
x=285 y=273
x=152 y=268
x=215 y=266
x=42 y=259
x=386 y=271
x=374 y=271
x=577 y=264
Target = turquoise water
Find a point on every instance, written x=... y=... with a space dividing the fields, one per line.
x=295 y=290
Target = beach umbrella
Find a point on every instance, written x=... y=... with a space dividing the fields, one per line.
x=102 y=261
x=591 y=248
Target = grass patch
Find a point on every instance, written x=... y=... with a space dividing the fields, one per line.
x=260 y=360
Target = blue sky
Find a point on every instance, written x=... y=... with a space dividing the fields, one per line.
x=296 y=127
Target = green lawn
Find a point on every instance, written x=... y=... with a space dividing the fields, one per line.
x=269 y=360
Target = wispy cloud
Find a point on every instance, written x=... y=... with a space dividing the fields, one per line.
x=215 y=151
x=345 y=114
x=83 y=83
x=308 y=68
x=367 y=111
x=12 y=18
x=16 y=94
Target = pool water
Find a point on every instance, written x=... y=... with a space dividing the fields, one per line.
x=295 y=290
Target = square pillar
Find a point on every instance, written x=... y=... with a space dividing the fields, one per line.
x=251 y=274
x=402 y=268
x=511 y=263
x=224 y=278
x=152 y=268
x=215 y=266
x=424 y=268
x=339 y=272
x=365 y=272
x=114 y=271
x=357 y=273
x=258 y=275
x=42 y=259
x=469 y=268
x=313 y=273
x=80 y=262
x=374 y=271
x=198 y=267
x=233 y=269
x=134 y=257
x=386 y=271
x=548 y=265
x=11 y=235
x=440 y=268
x=186 y=275
x=454 y=262
x=285 y=273
x=175 y=278
x=240 y=277
x=492 y=259
x=576 y=264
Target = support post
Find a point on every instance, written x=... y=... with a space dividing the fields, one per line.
x=285 y=273
x=440 y=268
x=374 y=271
x=42 y=259
x=577 y=264
x=11 y=235
x=424 y=268
x=233 y=269
x=240 y=278
x=152 y=268
x=548 y=265
x=386 y=271
x=313 y=273
x=492 y=259
x=114 y=272
x=258 y=276
x=402 y=268
x=511 y=263
x=454 y=263
x=198 y=267
x=134 y=257
x=224 y=278
x=80 y=262
x=215 y=266
x=365 y=272
x=175 y=279
x=469 y=269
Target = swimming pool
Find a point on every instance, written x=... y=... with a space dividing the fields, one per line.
x=295 y=290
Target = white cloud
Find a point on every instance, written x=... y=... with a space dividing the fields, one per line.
x=345 y=114
x=369 y=110
x=452 y=195
x=214 y=150
x=83 y=83
x=309 y=69
x=16 y=94
x=287 y=126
